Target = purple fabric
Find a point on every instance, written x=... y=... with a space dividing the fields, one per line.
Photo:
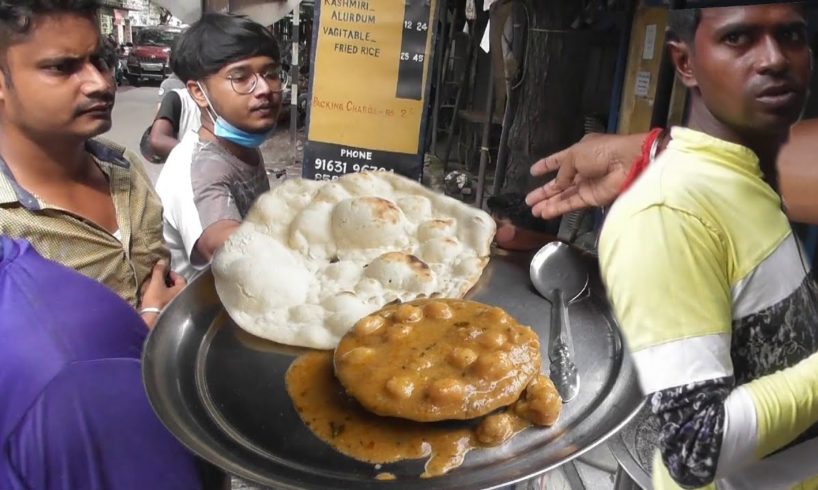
x=73 y=412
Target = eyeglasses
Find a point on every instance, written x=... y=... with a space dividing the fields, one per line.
x=245 y=84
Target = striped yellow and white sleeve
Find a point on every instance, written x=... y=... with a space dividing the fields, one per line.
x=668 y=283
x=668 y=280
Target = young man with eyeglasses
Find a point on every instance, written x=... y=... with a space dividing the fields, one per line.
x=230 y=66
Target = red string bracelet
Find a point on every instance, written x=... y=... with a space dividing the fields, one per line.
x=641 y=162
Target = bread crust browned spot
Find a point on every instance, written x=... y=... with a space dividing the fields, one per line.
x=418 y=266
x=383 y=210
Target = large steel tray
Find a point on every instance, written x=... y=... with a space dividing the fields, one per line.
x=221 y=392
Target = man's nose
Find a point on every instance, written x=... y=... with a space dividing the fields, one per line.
x=771 y=58
x=263 y=87
x=96 y=80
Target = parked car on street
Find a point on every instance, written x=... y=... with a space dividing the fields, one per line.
x=150 y=55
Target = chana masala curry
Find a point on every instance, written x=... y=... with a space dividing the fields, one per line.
x=437 y=360
x=398 y=379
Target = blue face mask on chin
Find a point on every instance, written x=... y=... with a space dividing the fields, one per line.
x=225 y=130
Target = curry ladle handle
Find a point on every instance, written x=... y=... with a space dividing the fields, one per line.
x=564 y=372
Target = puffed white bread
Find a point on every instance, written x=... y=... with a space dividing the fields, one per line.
x=314 y=257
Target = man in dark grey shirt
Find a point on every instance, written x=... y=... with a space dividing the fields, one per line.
x=230 y=66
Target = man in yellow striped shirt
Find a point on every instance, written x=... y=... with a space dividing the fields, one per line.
x=704 y=273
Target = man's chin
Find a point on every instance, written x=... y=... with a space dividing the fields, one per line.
x=776 y=125
x=98 y=127
x=780 y=119
x=766 y=124
x=263 y=128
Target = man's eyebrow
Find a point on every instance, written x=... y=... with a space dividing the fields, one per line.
x=238 y=69
x=734 y=27
x=795 y=24
x=745 y=27
x=247 y=66
x=60 y=59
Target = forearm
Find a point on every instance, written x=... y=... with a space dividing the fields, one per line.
x=711 y=431
x=212 y=239
x=798 y=172
x=785 y=404
x=693 y=421
x=162 y=144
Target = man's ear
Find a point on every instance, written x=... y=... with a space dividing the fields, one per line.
x=4 y=84
x=681 y=56
x=195 y=91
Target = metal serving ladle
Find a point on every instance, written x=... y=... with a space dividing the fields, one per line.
x=560 y=276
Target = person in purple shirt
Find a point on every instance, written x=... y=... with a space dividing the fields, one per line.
x=73 y=412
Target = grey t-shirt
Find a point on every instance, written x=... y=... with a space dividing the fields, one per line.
x=224 y=187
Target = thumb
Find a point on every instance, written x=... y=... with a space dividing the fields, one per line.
x=159 y=271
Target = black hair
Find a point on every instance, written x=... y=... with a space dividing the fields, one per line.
x=682 y=24
x=217 y=40
x=18 y=16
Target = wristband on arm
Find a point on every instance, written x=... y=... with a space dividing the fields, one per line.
x=650 y=147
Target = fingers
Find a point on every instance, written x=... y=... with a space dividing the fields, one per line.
x=552 y=163
x=160 y=272
x=566 y=173
x=559 y=208
x=177 y=280
x=157 y=292
x=545 y=191
x=565 y=179
x=546 y=197
x=537 y=195
x=564 y=202
x=176 y=284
